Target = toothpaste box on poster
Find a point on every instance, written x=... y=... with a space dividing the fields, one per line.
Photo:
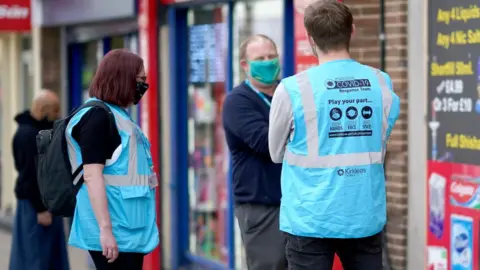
x=461 y=242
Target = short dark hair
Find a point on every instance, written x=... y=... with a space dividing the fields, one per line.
x=116 y=77
x=250 y=39
x=330 y=24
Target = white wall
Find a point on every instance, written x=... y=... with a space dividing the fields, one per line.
x=166 y=146
x=11 y=103
x=417 y=143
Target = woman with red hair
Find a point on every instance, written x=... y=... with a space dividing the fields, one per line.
x=114 y=218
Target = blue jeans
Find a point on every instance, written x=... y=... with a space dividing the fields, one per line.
x=306 y=253
x=35 y=247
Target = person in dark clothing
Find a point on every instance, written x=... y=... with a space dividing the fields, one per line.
x=256 y=179
x=38 y=237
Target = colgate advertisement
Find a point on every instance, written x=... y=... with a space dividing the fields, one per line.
x=453 y=216
x=464 y=194
x=15 y=15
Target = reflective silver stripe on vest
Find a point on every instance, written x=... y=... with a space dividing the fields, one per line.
x=387 y=100
x=312 y=159
x=133 y=178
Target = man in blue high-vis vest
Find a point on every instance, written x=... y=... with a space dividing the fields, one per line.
x=329 y=125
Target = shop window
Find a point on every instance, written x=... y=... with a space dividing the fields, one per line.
x=209 y=159
x=256 y=17
x=250 y=18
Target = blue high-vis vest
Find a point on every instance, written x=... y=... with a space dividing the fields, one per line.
x=130 y=190
x=333 y=179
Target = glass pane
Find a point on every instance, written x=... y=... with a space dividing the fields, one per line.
x=133 y=43
x=250 y=18
x=130 y=42
x=256 y=17
x=118 y=42
x=209 y=160
x=93 y=53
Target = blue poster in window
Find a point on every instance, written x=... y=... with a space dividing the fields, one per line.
x=207 y=49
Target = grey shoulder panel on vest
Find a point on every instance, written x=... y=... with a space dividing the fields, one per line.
x=281 y=121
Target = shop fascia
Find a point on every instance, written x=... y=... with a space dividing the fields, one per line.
x=12 y=11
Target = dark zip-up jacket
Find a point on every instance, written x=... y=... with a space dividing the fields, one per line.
x=256 y=179
x=24 y=154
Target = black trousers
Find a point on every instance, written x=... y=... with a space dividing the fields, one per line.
x=125 y=261
x=306 y=253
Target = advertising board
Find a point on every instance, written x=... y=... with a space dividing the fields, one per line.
x=453 y=102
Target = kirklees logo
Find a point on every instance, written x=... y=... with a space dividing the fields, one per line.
x=351 y=172
x=13 y=12
x=348 y=85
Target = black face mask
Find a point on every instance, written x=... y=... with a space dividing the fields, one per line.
x=140 y=91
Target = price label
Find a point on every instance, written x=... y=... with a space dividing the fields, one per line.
x=450 y=104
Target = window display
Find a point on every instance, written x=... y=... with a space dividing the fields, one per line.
x=253 y=17
x=208 y=153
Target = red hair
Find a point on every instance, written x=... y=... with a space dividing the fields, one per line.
x=116 y=78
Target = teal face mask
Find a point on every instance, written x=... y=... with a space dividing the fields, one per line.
x=265 y=71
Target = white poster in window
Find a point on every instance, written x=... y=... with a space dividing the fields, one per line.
x=204 y=106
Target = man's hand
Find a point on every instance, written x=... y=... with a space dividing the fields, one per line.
x=44 y=218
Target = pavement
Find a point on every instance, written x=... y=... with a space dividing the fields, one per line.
x=78 y=258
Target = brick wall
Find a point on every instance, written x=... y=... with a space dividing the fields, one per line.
x=365 y=47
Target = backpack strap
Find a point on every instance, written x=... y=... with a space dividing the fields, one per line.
x=77 y=175
x=100 y=104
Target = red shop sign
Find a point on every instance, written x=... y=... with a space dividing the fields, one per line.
x=15 y=15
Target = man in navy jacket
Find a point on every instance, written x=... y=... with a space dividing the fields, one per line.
x=38 y=238
x=256 y=179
